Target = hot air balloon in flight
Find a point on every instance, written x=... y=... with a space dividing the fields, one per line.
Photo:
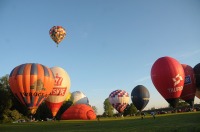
x=189 y=88
x=79 y=112
x=140 y=97
x=168 y=77
x=31 y=83
x=197 y=76
x=119 y=100
x=60 y=90
x=79 y=97
x=57 y=33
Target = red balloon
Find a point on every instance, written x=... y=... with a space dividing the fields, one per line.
x=168 y=77
x=79 y=112
x=189 y=88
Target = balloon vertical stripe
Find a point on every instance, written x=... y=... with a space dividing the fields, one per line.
x=21 y=70
x=34 y=70
x=46 y=72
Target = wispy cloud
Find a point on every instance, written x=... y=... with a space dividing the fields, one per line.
x=143 y=79
x=189 y=54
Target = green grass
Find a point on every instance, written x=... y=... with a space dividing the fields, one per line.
x=183 y=122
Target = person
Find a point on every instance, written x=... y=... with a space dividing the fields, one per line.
x=153 y=114
x=98 y=118
x=142 y=115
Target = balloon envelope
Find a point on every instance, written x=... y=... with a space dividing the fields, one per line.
x=79 y=111
x=119 y=100
x=57 y=33
x=168 y=77
x=79 y=97
x=197 y=75
x=31 y=83
x=140 y=97
x=60 y=90
x=189 y=88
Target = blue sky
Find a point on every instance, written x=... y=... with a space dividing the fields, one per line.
x=110 y=44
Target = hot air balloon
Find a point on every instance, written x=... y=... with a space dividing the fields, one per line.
x=119 y=100
x=31 y=83
x=57 y=33
x=79 y=97
x=189 y=88
x=60 y=90
x=140 y=97
x=197 y=76
x=79 y=111
x=168 y=77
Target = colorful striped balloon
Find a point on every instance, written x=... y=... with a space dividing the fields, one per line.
x=31 y=83
x=119 y=100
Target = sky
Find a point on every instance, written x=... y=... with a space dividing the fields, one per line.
x=110 y=44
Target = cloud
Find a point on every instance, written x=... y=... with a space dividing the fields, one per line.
x=189 y=54
x=143 y=79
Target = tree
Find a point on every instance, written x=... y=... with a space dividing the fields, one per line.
x=95 y=109
x=7 y=112
x=4 y=82
x=108 y=108
x=181 y=103
x=5 y=101
x=130 y=110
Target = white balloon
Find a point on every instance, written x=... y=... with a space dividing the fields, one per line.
x=60 y=90
x=79 y=97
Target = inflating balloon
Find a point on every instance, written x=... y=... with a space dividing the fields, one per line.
x=197 y=76
x=79 y=112
x=79 y=97
x=31 y=83
x=60 y=90
x=189 y=88
x=140 y=97
x=168 y=77
x=119 y=100
x=57 y=33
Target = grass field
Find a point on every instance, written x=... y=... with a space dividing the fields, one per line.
x=183 y=122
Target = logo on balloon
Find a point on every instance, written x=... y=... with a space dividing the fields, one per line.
x=187 y=80
x=176 y=80
x=58 y=91
x=58 y=80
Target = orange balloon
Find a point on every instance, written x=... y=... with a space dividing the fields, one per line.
x=31 y=83
x=79 y=111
